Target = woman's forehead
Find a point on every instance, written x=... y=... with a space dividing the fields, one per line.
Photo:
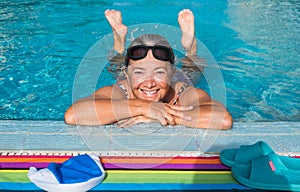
x=150 y=69
x=149 y=64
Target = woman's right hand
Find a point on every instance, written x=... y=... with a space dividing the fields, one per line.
x=125 y=123
x=160 y=112
x=166 y=113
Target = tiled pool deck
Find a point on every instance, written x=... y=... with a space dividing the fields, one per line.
x=153 y=140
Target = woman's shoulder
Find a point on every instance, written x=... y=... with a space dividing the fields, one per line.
x=184 y=88
x=122 y=86
x=123 y=82
x=189 y=94
x=111 y=91
x=181 y=86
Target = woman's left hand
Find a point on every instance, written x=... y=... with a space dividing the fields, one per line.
x=125 y=123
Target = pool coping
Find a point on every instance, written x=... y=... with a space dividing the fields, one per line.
x=56 y=137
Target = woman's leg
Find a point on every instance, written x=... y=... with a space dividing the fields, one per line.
x=114 y=18
x=193 y=65
x=186 y=23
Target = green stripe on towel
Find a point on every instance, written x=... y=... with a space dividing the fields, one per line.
x=142 y=176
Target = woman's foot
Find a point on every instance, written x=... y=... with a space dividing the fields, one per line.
x=114 y=18
x=186 y=22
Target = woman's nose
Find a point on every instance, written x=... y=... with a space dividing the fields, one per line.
x=149 y=82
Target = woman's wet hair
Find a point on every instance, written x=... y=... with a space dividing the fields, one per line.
x=150 y=39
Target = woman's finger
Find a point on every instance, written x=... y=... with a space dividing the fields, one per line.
x=179 y=114
x=126 y=122
x=162 y=120
x=170 y=119
x=181 y=108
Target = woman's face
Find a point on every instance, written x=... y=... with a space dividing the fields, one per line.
x=150 y=78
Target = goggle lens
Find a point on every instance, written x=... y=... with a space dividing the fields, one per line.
x=159 y=52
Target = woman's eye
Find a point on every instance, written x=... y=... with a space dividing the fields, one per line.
x=138 y=72
x=160 y=72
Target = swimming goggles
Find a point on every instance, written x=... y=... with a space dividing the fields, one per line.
x=159 y=52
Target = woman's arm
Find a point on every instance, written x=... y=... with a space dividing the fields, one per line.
x=206 y=113
x=109 y=105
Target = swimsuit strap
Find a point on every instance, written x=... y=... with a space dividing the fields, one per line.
x=122 y=87
x=181 y=90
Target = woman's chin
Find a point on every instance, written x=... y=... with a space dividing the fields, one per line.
x=155 y=99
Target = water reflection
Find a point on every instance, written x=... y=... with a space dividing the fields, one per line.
x=268 y=58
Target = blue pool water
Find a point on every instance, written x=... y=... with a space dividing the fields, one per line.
x=255 y=43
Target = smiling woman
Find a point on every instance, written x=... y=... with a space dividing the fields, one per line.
x=251 y=49
x=148 y=93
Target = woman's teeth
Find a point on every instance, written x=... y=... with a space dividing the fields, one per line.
x=149 y=92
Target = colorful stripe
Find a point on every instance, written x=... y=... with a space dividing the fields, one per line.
x=19 y=165
x=137 y=187
x=138 y=180
x=170 y=160
x=166 y=166
x=141 y=176
x=190 y=163
x=130 y=173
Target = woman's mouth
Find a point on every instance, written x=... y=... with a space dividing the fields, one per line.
x=149 y=92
